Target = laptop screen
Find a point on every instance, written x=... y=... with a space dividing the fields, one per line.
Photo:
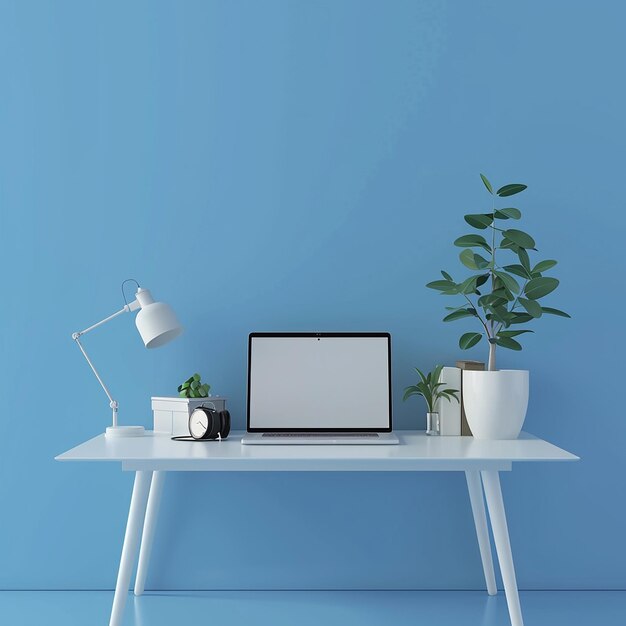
x=319 y=382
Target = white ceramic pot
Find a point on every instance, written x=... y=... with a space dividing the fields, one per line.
x=495 y=402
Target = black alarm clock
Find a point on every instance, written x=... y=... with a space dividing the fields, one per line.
x=207 y=424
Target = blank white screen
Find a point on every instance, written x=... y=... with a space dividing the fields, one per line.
x=330 y=382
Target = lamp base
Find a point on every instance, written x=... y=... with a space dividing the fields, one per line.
x=115 y=432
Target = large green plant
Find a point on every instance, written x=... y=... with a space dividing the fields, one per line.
x=494 y=295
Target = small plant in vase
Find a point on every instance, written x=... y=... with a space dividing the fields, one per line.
x=194 y=388
x=429 y=388
x=502 y=293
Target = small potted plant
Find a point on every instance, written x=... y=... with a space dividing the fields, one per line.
x=193 y=388
x=171 y=414
x=501 y=294
x=430 y=389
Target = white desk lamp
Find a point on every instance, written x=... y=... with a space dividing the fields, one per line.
x=157 y=324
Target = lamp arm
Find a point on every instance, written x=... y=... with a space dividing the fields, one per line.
x=133 y=306
x=112 y=403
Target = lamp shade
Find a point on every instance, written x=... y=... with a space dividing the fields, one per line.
x=156 y=321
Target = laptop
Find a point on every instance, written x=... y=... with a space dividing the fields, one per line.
x=319 y=388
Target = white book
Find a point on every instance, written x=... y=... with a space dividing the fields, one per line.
x=450 y=410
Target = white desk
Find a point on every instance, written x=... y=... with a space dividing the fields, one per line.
x=481 y=461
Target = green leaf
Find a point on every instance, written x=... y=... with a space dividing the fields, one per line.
x=510 y=190
x=510 y=282
x=518 y=270
x=544 y=266
x=482 y=279
x=524 y=259
x=520 y=318
x=551 y=311
x=507 y=342
x=441 y=285
x=514 y=214
x=499 y=314
x=533 y=308
x=479 y=220
x=540 y=287
x=196 y=377
x=447 y=276
x=519 y=237
x=507 y=244
x=420 y=374
x=467 y=258
x=411 y=391
x=468 y=285
x=472 y=260
x=468 y=340
x=486 y=183
x=460 y=314
x=513 y=333
x=472 y=241
x=503 y=293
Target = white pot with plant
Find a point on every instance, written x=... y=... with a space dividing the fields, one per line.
x=429 y=387
x=495 y=401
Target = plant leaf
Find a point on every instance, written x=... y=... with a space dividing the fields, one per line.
x=510 y=190
x=533 y=308
x=472 y=241
x=467 y=258
x=507 y=342
x=479 y=220
x=482 y=279
x=441 y=285
x=513 y=333
x=447 y=276
x=518 y=270
x=411 y=391
x=520 y=318
x=457 y=315
x=507 y=244
x=514 y=214
x=540 y=287
x=468 y=340
x=551 y=311
x=544 y=266
x=510 y=282
x=524 y=259
x=421 y=374
x=486 y=183
x=519 y=237
x=468 y=285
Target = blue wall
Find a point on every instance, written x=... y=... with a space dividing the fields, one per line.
x=302 y=165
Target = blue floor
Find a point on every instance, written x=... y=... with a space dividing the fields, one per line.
x=313 y=608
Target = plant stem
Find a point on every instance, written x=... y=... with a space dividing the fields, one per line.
x=492 y=346
x=492 y=358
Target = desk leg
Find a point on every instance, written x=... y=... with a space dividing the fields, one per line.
x=131 y=541
x=493 y=494
x=152 y=511
x=475 y=488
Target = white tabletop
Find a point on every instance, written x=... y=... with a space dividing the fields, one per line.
x=416 y=452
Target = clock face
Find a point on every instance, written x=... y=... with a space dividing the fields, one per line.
x=198 y=424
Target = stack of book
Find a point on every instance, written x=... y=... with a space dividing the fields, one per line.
x=452 y=418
